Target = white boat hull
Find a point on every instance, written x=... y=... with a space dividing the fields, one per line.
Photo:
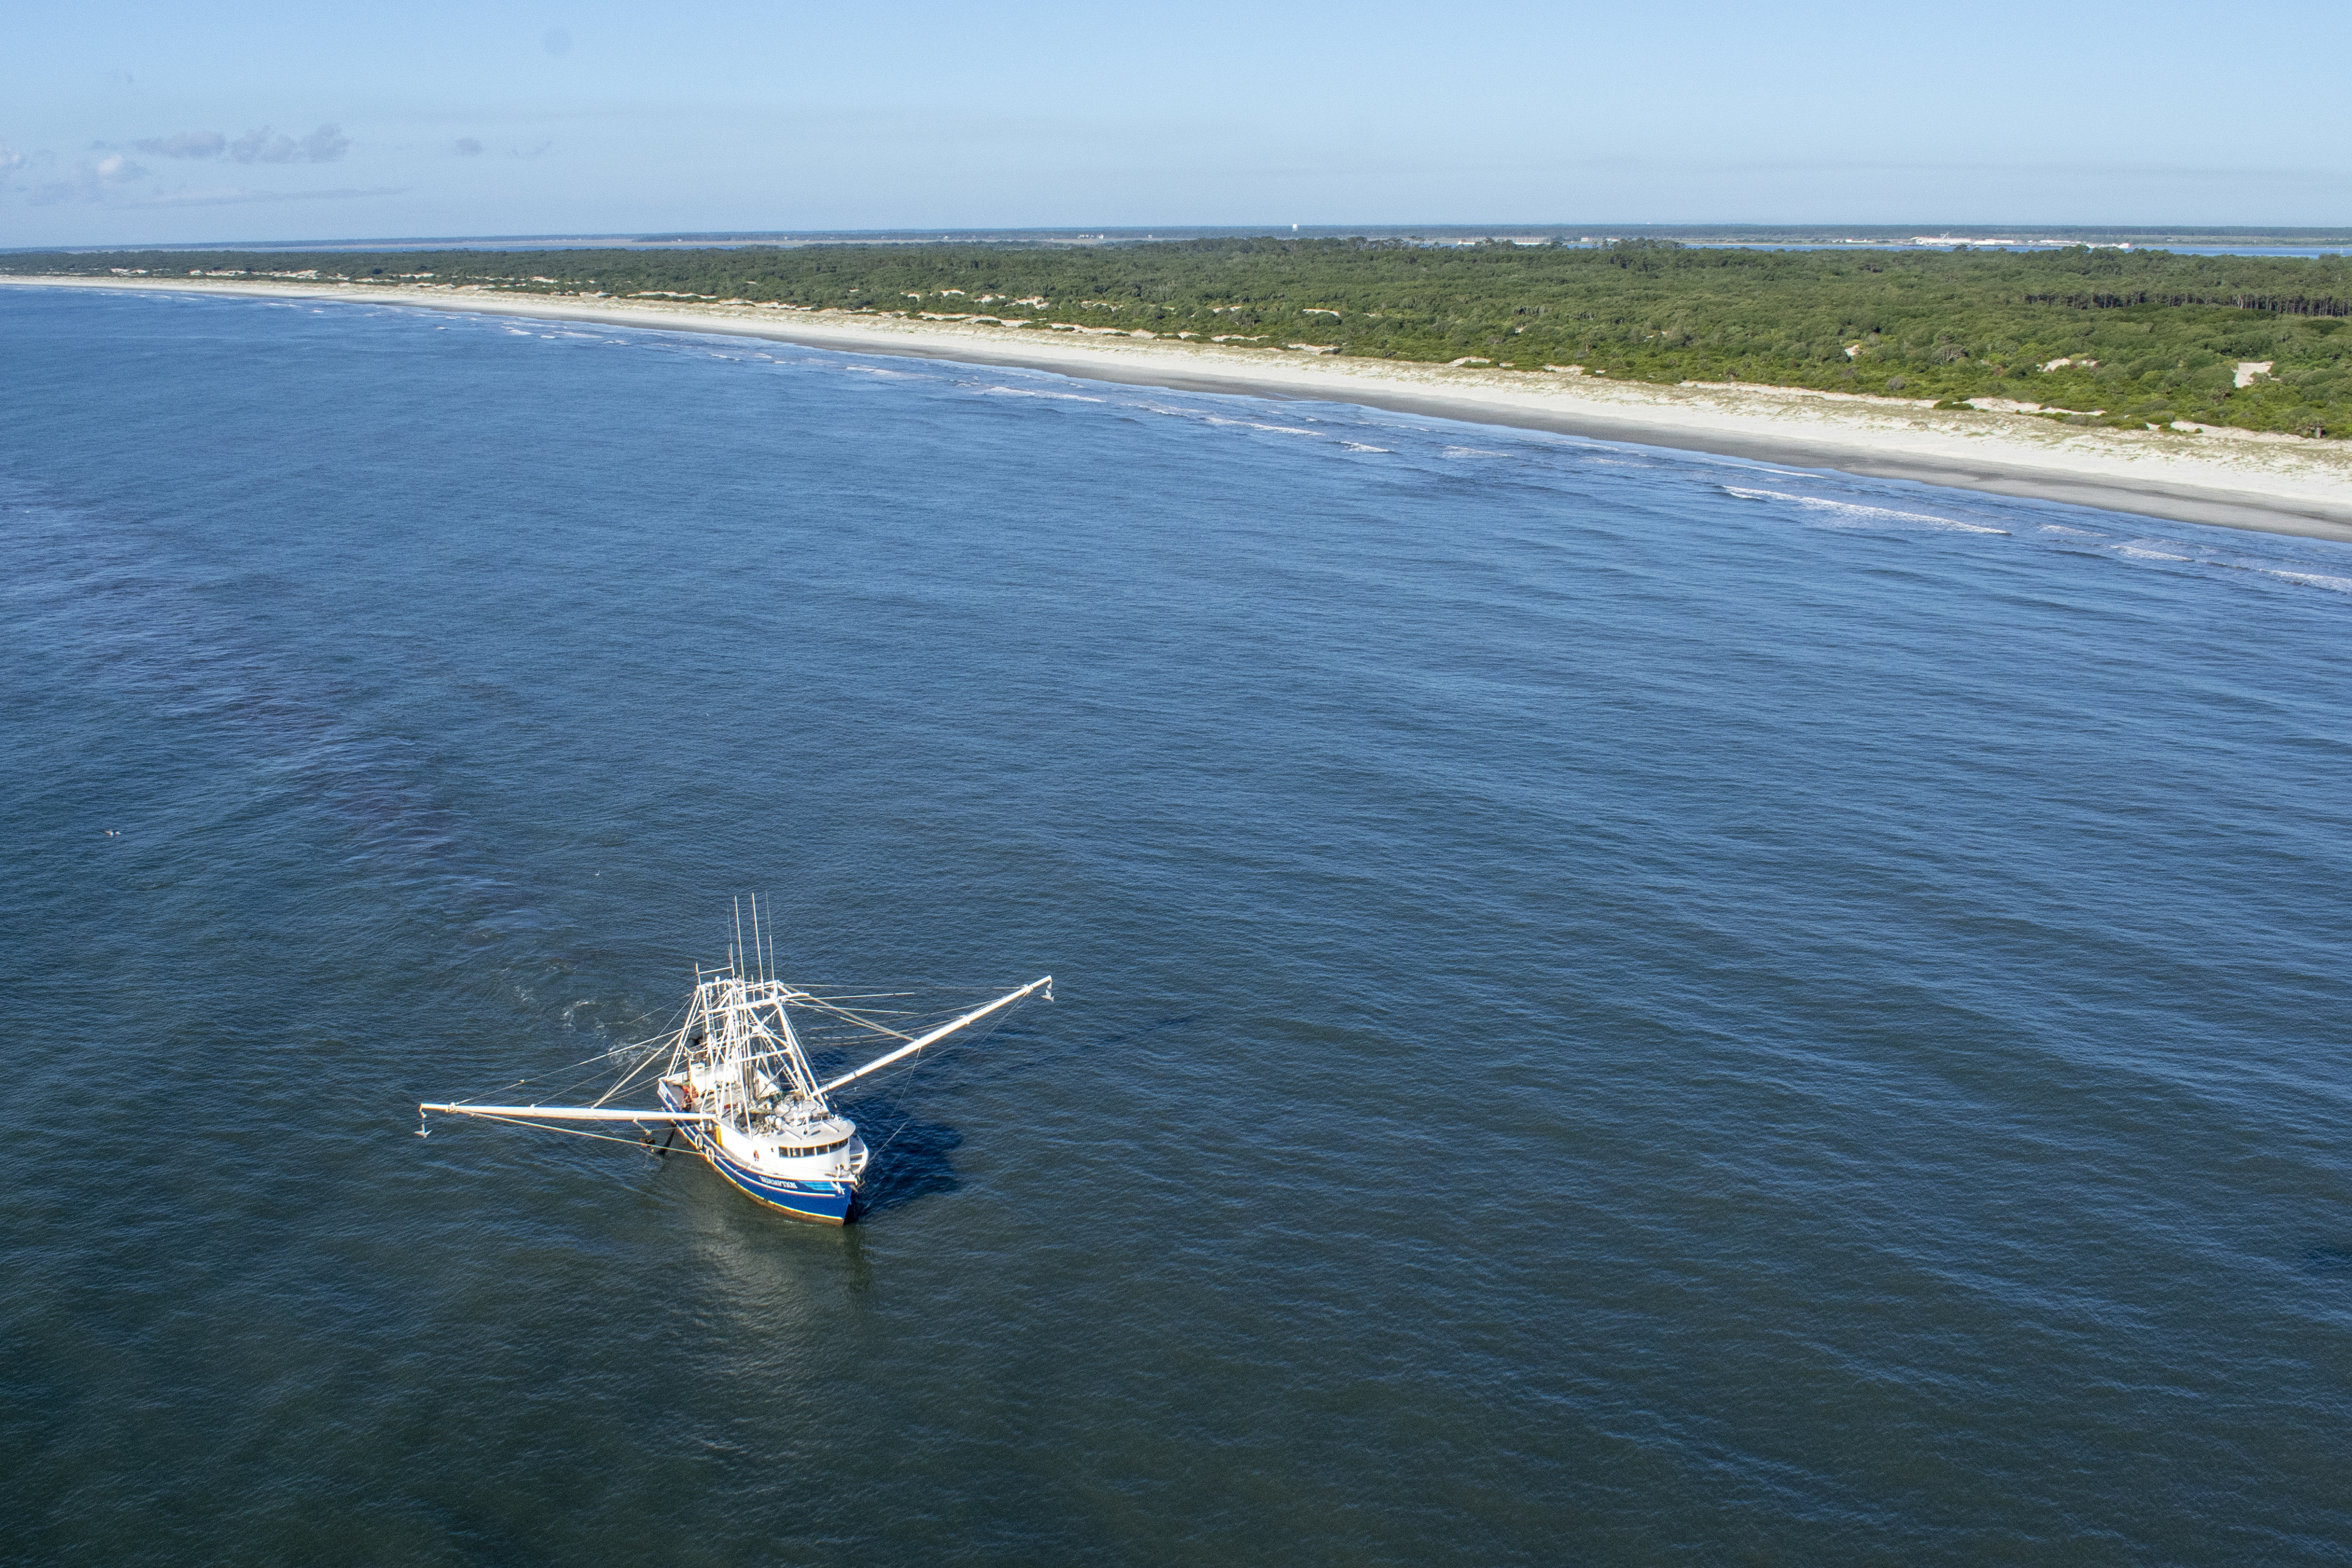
x=824 y=1201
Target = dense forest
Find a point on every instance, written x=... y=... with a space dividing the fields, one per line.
x=2111 y=337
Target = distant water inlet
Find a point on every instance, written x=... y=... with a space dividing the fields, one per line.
x=1612 y=1003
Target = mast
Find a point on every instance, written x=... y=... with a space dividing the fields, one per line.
x=795 y=1059
x=728 y=1026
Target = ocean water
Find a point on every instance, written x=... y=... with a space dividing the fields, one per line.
x=1615 y=1006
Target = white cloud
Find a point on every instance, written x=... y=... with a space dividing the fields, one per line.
x=186 y=144
x=90 y=182
x=232 y=195
x=323 y=145
x=107 y=176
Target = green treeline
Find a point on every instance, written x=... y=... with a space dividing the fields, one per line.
x=2147 y=337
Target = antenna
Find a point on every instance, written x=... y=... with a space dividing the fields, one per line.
x=759 y=953
x=736 y=955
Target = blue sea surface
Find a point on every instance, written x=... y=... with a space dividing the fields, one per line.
x=1615 y=1006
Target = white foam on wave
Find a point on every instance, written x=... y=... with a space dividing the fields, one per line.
x=1254 y=424
x=2214 y=557
x=1852 y=514
x=2312 y=579
x=1360 y=446
x=1473 y=452
x=1022 y=392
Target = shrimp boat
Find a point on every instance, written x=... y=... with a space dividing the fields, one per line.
x=736 y=1080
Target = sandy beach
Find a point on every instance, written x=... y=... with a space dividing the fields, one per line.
x=2237 y=479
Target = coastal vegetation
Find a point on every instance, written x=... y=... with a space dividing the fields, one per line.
x=2088 y=336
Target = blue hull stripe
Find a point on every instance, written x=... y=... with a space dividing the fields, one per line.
x=827 y=1202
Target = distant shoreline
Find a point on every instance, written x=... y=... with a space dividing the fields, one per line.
x=2236 y=479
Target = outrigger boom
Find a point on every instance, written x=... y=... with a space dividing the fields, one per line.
x=939 y=1034
x=736 y=1079
x=569 y=1114
x=596 y=1114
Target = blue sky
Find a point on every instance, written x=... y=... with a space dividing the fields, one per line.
x=151 y=123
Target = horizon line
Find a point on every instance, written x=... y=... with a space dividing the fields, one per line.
x=1948 y=231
